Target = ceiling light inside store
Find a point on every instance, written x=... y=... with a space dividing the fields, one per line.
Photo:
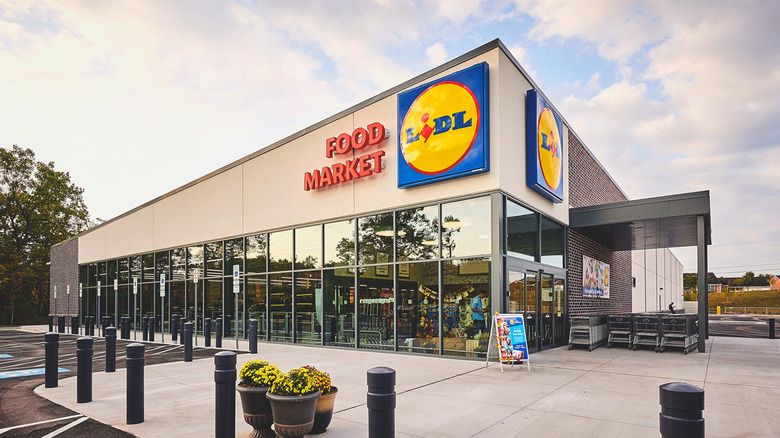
x=456 y=224
x=430 y=242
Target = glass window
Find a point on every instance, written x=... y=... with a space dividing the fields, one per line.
x=280 y=301
x=256 y=299
x=340 y=243
x=210 y=306
x=418 y=233
x=466 y=228
x=256 y=254
x=339 y=305
x=177 y=297
x=92 y=275
x=124 y=295
x=102 y=274
x=214 y=259
x=147 y=299
x=111 y=275
x=516 y=291
x=124 y=271
x=234 y=307
x=84 y=276
x=161 y=260
x=375 y=239
x=418 y=307
x=148 y=267
x=308 y=247
x=308 y=307
x=234 y=255
x=552 y=243
x=280 y=246
x=466 y=307
x=179 y=264
x=195 y=261
x=135 y=268
x=375 y=307
x=522 y=227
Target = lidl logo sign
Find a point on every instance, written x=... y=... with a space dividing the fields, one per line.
x=544 y=148
x=443 y=128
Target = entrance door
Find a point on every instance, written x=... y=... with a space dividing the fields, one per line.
x=541 y=297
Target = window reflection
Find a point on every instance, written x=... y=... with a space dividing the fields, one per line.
x=308 y=307
x=280 y=300
x=418 y=233
x=522 y=231
x=256 y=254
x=552 y=243
x=376 y=239
x=339 y=307
x=234 y=255
x=256 y=300
x=280 y=245
x=466 y=228
x=375 y=307
x=340 y=243
x=418 y=308
x=214 y=259
x=308 y=247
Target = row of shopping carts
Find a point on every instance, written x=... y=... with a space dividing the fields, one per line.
x=589 y=330
x=658 y=330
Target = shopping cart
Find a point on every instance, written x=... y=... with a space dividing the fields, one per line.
x=621 y=329
x=590 y=330
x=647 y=331
x=680 y=331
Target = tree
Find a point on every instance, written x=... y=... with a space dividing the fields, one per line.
x=690 y=282
x=747 y=279
x=39 y=207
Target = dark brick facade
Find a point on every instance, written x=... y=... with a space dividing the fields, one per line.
x=64 y=271
x=589 y=184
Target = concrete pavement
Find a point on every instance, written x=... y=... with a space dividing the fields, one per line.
x=604 y=393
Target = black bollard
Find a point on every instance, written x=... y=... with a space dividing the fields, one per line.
x=151 y=329
x=181 y=329
x=88 y=328
x=174 y=327
x=60 y=324
x=84 y=371
x=188 y=342
x=135 y=383
x=103 y=326
x=74 y=325
x=92 y=323
x=52 y=346
x=771 y=328
x=125 y=327
x=225 y=400
x=218 y=341
x=681 y=410
x=51 y=323
x=145 y=327
x=110 y=349
x=207 y=331
x=381 y=402
x=253 y=336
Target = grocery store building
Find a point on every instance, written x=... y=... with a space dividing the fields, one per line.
x=377 y=227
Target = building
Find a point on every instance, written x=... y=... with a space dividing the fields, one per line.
x=377 y=227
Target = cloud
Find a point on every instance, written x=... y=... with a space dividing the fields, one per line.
x=436 y=54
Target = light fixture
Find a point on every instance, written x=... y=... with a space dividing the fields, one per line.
x=430 y=242
x=385 y=233
x=452 y=224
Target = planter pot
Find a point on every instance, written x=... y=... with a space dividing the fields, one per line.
x=323 y=413
x=257 y=411
x=293 y=415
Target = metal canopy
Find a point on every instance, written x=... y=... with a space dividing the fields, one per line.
x=662 y=222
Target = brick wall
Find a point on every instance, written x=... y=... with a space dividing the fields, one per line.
x=64 y=271
x=589 y=184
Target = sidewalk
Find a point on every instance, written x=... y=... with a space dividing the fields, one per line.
x=607 y=392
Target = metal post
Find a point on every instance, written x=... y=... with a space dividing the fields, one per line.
x=135 y=383
x=51 y=323
x=188 y=342
x=135 y=312
x=381 y=402
x=116 y=307
x=84 y=371
x=103 y=325
x=771 y=328
x=151 y=328
x=174 y=327
x=225 y=400
x=253 y=336
x=144 y=328
x=60 y=324
x=681 y=410
x=181 y=329
x=52 y=346
x=110 y=349
x=218 y=341
x=701 y=263
x=207 y=331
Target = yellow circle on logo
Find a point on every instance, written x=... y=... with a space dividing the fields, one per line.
x=439 y=128
x=550 y=153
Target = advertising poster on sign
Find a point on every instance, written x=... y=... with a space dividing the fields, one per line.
x=510 y=338
x=595 y=278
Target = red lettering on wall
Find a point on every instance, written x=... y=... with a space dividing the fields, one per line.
x=338 y=173
x=311 y=180
x=359 y=138
x=330 y=146
x=377 y=157
x=326 y=177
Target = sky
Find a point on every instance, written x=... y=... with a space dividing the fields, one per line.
x=136 y=98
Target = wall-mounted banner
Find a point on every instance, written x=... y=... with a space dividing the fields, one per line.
x=544 y=148
x=443 y=128
x=595 y=278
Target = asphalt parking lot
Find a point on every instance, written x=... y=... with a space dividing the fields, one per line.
x=22 y=358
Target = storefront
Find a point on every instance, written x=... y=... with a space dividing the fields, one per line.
x=376 y=228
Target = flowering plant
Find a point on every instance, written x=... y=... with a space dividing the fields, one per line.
x=298 y=381
x=320 y=379
x=258 y=373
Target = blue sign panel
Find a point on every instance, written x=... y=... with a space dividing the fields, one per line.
x=510 y=335
x=544 y=148
x=28 y=372
x=443 y=128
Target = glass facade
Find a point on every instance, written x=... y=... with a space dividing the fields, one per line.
x=403 y=280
